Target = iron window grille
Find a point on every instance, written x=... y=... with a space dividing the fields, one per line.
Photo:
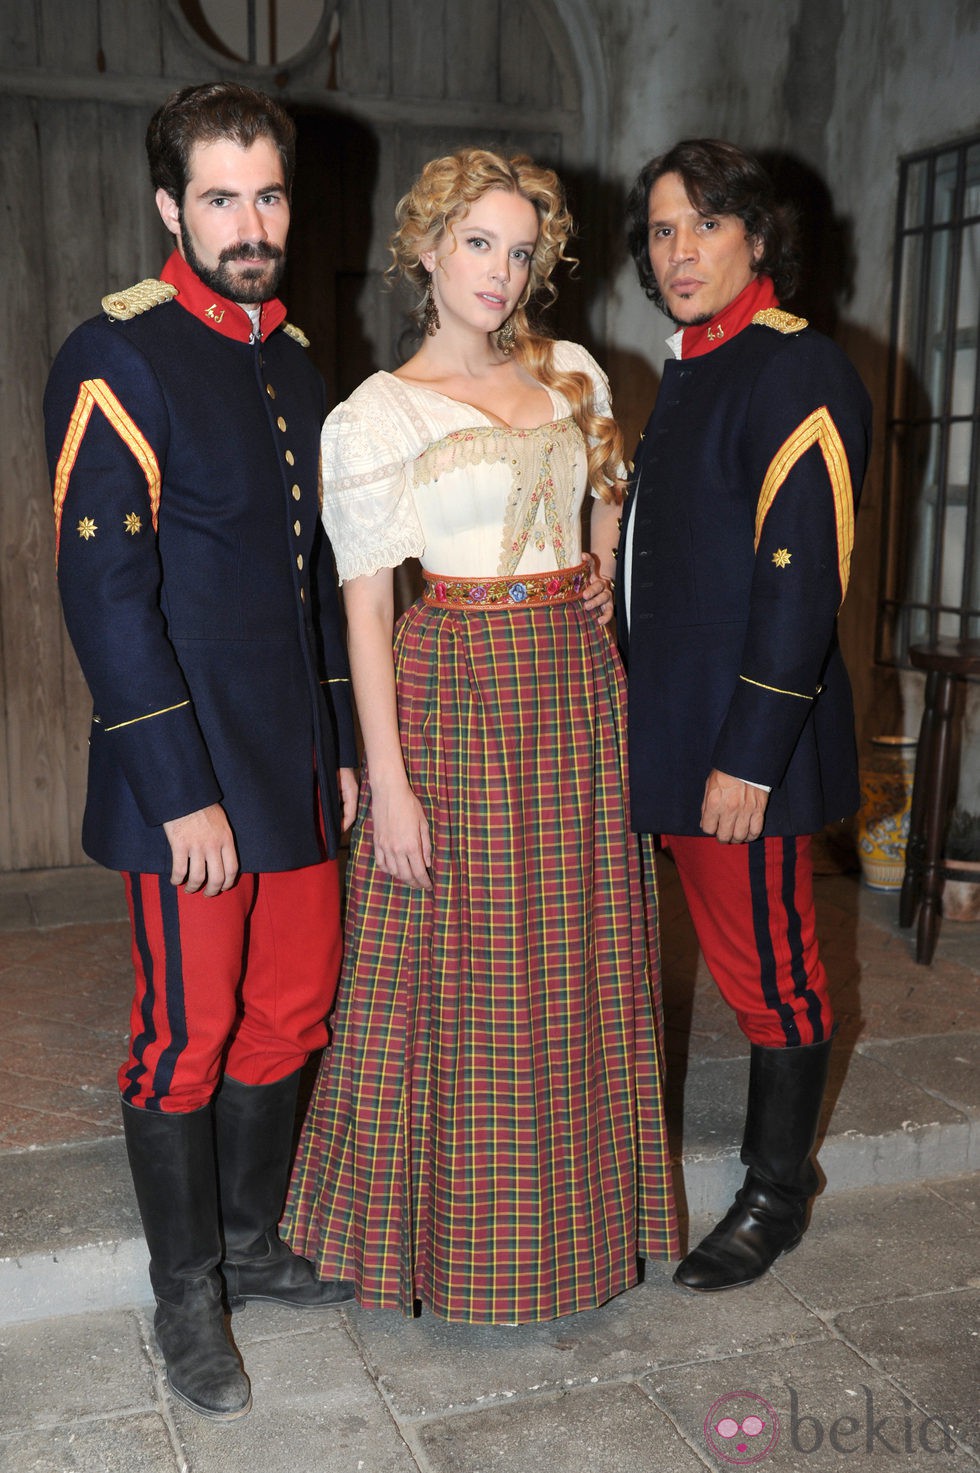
x=930 y=533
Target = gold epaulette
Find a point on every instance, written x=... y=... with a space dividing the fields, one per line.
x=297 y=334
x=121 y=306
x=779 y=320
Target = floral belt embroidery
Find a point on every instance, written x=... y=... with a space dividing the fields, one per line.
x=559 y=587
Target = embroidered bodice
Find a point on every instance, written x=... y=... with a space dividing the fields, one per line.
x=408 y=472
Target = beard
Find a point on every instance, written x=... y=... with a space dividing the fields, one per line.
x=258 y=284
x=697 y=321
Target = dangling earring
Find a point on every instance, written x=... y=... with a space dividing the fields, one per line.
x=507 y=337
x=430 y=312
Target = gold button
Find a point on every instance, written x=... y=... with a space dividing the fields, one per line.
x=299 y=562
x=302 y=595
x=290 y=458
x=270 y=391
x=281 y=422
x=297 y=528
x=297 y=493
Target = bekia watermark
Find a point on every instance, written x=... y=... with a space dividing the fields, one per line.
x=743 y=1428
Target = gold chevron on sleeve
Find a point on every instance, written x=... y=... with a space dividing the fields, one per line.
x=817 y=429
x=92 y=392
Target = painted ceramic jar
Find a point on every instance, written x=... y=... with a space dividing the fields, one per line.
x=883 y=818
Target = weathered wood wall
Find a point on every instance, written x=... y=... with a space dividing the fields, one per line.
x=397 y=84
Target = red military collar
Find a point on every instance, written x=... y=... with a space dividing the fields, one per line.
x=224 y=316
x=759 y=294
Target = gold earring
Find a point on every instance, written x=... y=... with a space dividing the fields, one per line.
x=430 y=312
x=507 y=337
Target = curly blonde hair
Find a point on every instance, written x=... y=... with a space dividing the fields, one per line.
x=444 y=192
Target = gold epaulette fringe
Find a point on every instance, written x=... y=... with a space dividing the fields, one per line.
x=121 y=306
x=296 y=333
x=779 y=320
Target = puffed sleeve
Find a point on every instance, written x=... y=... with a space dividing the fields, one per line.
x=573 y=358
x=368 y=445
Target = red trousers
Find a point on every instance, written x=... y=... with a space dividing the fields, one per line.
x=752 y=908
x=238 y=983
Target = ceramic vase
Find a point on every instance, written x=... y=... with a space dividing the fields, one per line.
x=883 y=818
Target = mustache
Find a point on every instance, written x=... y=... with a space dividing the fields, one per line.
x=262 y=250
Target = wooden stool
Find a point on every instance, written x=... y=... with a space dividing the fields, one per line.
x=945 y=661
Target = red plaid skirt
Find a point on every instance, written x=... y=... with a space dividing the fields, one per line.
x=487 y=1135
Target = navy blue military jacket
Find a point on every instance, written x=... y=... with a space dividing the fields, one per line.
x=742 y=503
x=197 y=581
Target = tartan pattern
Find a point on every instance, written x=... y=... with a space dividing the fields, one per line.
x=487 y=1133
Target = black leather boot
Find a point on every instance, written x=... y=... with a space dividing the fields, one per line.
x=768 y=1216
x=172 y=1161
x=254 y=1134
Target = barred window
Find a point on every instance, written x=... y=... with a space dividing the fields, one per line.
x=931 y=527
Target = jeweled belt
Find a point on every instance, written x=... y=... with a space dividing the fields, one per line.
x=560 y=587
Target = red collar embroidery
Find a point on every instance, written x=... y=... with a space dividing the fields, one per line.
x=759 y=294
x=225 y=317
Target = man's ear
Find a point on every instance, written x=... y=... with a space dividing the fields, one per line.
x=169 y=212
x=758 y=249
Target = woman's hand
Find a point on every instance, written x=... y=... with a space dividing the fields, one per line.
x=401 y=836
x=598 y=593
x=348 y=786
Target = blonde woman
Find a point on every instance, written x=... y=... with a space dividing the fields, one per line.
x=486 y=1136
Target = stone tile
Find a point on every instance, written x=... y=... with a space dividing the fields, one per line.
x=73 y=1105
x=930 y=1346
x=866 y=1247
x=39 y=1069
x=81 y=896
x=962 y=1192
x=426 y=1366
x=947 y=1066
x=821 y=1394
x=25 y=1130
x=56 y=1370
x=313 y=1408
x=101 y=1007
x=15 y=912
x=25 y=1032
x=138 y=1444
x=883 y=1128
x=588 y=1431
x=52 y=1199
x=713 y=1114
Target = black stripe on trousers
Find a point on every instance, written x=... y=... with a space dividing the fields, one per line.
x=173 y=994
x=768 y=978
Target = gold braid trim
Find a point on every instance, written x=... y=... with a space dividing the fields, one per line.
x=817 y=429
x=296 y=334
x=92 y=393
x=779 y=320
x=121 y=306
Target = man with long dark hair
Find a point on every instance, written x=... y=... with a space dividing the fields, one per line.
x=198 y=589
x=734 y=562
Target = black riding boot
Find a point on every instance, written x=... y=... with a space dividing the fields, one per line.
x=768 y=1216
x=172 y=1161
x=254 y=1133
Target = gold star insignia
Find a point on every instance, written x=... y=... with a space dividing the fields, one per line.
x=87 y=529
x=133 y=524
x=781 y=557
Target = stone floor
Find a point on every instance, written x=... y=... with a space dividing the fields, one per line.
x=860 y=1349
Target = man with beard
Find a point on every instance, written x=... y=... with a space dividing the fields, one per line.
x=199 y=592
x=735 y=555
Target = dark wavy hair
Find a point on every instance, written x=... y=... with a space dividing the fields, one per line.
x=206 y=113
x=720 y=180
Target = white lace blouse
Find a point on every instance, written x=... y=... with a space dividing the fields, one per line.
x=408 y=472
